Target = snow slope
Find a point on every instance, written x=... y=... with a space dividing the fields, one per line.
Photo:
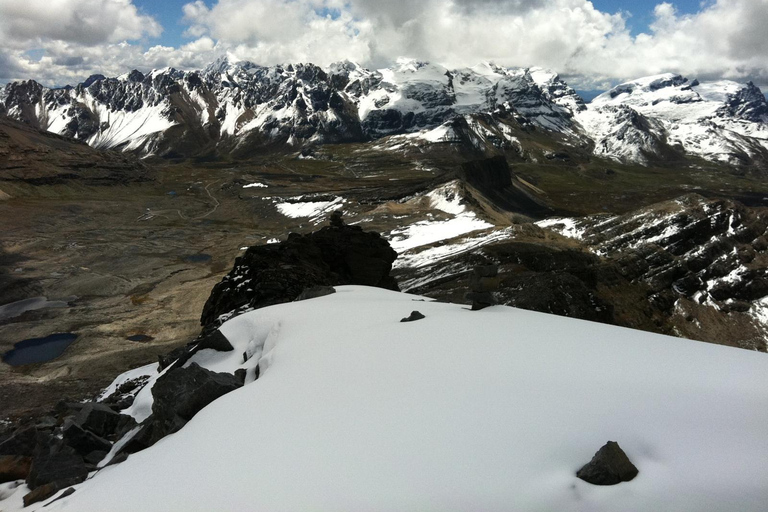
x=492 y=410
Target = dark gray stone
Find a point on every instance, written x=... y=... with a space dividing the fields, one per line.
x=491 y=270
x=20 y=442
x=83 y=441
x=216 y=341
x=210 y=340
x=481 y=300
x=415 y=315
x=98 y=418
x=95 y=457
x=47 y=468
x=609 y=466
x=44 y=492
x=183 y=392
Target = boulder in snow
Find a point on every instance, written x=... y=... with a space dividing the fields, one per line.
x=47 y=468
x=178 y=396
x=46 y=491
x=415 y=315
x=609 y=466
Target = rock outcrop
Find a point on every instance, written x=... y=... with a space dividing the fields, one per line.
x=178 y=395
x=276 y=273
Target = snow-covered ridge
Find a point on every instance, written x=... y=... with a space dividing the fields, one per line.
x=721 y=121
x=355 y=410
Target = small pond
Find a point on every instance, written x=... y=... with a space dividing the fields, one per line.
x=141 y=338
x=39 y=350
x=198 y=258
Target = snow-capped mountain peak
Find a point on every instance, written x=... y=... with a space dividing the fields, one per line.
x=238 y=104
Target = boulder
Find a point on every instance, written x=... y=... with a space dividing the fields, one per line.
x=14 y=467
x=209 y=340
x=415 y=315
x=277 y=273
x=481 y=300
x=46 y=491
x=609 y=466
x=93 y=458
x=47 y=468
x=21 y=442
x=182 y=392
x=98 y=418
x=83 y=441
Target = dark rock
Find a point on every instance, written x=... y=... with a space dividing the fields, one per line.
x=481 y=300
x=609 y=466
x=98 y=418
x=486 y=270
x=165 y=360
x=337 y=219
x=215 y=341
x=209 y=340
x=14 y=467
x=47 y=468
x=415 y=315
x=316 y=291
x=117 y=459
x=68 y=492
x=126 y=424
x=46 y=491
x=95 y=457
x=183 y=392
x=64 y=408
x=277 y=273
x=84 y=441
x=20 y=442
x=240 y=375
x=141 y=440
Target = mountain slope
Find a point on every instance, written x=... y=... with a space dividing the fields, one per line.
x=355 y=410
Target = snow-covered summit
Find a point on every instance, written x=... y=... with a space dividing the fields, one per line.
x=489 y=410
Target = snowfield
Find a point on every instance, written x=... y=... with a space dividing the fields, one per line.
x=491 y=410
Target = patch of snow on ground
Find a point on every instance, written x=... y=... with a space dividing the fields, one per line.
x=255 y=185
x=431 y=231
x=312 y=209
x=421 y=257
x=566 y=226
x=448 y=198
x=490 y=410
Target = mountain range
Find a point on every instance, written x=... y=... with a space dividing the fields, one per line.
x=235 y=109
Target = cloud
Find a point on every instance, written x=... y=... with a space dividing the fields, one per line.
x=590 y=48
x=85 y=22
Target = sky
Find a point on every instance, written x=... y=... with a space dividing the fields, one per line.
x=592 y=45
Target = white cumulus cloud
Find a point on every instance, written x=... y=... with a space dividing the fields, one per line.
x=590 y=48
